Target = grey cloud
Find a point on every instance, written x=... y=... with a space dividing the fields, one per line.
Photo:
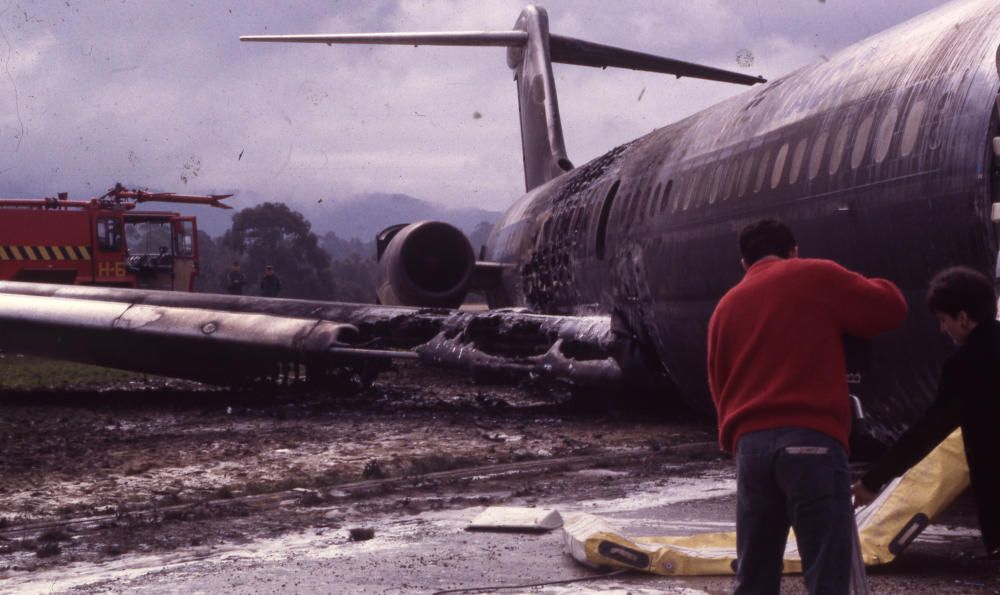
x=161 y=94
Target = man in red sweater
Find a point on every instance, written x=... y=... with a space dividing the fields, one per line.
x=777 y=374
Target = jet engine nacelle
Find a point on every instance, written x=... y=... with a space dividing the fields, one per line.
x=427 y=264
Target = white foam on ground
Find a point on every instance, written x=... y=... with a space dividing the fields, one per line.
x=583 y=589
x=682 y=489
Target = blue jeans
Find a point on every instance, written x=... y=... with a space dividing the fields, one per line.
x=799 y=478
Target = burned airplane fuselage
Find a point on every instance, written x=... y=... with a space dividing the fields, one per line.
x=880 y=158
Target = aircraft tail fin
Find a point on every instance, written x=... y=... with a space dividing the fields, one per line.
x=530 y=54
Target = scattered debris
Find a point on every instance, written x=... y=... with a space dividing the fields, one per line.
x=373 y=470
x=516 y=519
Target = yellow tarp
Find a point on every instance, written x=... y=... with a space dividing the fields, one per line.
x=886 y=526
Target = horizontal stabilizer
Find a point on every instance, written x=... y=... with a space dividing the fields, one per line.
x=459 y=38
x=567 y=50
x=531 y=50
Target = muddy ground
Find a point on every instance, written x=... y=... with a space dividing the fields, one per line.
x=140 y=473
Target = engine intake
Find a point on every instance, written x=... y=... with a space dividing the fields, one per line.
x=427 y=264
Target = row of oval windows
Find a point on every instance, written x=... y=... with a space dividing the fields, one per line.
x=739 y=175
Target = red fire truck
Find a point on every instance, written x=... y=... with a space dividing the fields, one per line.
x=101 y=241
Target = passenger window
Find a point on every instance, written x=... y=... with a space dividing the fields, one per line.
x=654 y=205
x=746 y=174
x=629 y=210
x=643 y=207
x=883 y=138
x=837 y=152
x=779 y=165
x=677 y=203
x=732 y=176
x=936 y=128
x=666 y=195
x=816 y=158
x=911 y=128
x=797 y=157
x=695 y=187
x=602 y=222
x=761 y=172
x=713 y=192
x=861 y=141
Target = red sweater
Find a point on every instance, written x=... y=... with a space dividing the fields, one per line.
x=775 y=345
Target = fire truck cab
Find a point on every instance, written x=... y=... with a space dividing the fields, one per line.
x=101 y=241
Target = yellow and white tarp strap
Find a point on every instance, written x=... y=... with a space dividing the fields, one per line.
x=886 y=527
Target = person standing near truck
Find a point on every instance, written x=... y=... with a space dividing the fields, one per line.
x=235 y=279
x=270 y=285
x=777 y=373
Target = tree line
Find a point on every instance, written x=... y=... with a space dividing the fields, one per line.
x=324 y=267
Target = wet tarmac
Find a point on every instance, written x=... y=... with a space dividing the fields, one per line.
x=431 y=551
x=189 y=492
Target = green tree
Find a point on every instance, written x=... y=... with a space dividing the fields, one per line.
x=273 y=234
x=354 y=267
x=479 y=236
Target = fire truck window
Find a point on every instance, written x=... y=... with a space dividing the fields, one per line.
x=109 y=235
x=185 y=239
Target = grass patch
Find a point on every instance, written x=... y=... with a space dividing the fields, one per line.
x=19 y=372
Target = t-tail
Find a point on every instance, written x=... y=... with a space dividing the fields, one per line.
x=531 y=50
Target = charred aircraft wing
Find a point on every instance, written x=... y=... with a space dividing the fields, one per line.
x=233 y=340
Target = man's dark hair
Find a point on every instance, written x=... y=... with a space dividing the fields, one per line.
x=960 y=288
x=766 y=237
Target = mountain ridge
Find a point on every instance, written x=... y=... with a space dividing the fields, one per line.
x=360 y=216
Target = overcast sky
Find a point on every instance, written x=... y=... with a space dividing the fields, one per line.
x=161 y=94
